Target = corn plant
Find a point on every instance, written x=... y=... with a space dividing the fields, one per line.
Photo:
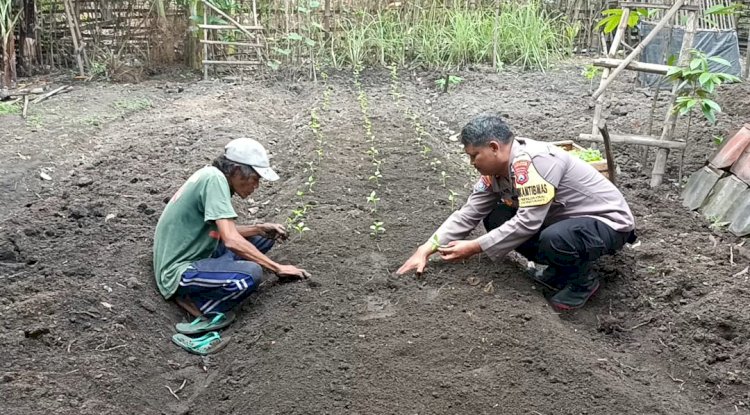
x=376 y=229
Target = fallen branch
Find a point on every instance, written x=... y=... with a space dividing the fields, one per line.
x=174 y=392
x=649 y=321
x=51 y=93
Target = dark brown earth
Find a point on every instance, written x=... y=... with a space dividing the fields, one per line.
x=85 y=332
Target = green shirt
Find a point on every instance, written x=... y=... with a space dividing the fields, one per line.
x=186 y=231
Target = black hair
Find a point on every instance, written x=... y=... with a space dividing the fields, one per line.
x=228 y=167
x=484 y=128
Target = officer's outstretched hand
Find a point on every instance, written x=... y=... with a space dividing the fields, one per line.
x=458 y=250
x=418 y=261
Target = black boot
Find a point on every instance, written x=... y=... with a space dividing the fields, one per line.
x=575 y=294
x=550 y=278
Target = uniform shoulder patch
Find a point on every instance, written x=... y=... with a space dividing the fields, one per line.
x=484 y=184
x=531 y=187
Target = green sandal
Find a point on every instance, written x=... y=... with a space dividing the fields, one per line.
x=207 y=344
x=205 y=324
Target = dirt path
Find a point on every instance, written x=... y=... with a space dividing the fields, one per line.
x=86 y=332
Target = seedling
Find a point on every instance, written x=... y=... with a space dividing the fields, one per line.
x=718 y=140
x=300 y=227
x=434 y=164
x=452 y=199
x=375 y=178
x=310 y=182
x=373 y=153
x=425 y=151
x=394 y=83
x=300 y=193
x=373 y=199
x=435 y=242
x=377 y=228
x=451 y=81
x=443 y=177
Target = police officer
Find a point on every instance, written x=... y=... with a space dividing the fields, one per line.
x=537 y=199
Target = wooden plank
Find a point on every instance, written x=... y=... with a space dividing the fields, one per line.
x=232 y=62
x=228 y=27
x=638 y=49
x=222 y=42
x=641 y=140
x=634 y=66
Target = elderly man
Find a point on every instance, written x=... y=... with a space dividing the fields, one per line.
x=537 y=199
x=202 y=259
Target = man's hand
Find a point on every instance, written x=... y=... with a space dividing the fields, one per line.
x=458 y=250
x=418 y=261
x=274 y=231
x=290 y=271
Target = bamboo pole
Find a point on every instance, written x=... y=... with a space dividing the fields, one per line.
x=654 y=68
x=205 y=43
x=638 y=49
x=71 y=24
x=605 y=73
x=640 y=140
x=747 y=56
x=660 y=163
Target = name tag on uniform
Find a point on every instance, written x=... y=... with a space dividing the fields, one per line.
x=531 y=187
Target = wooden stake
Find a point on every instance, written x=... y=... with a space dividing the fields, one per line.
x=747 y=56
x=25 y=106
x=608 y=152
x=73 y=32
x=635 y=66
x=660 y=163
x=638 y=49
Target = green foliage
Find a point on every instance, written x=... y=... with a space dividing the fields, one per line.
x=132 y=104
x=452 y=199
x=588 y=155
x=590 y=72
x=435 y=242
x=435 y=37
x=376 y=229
x=452 y=81
x=612 y=18
x=721 y=10
x=697 y=85
x=9 y=109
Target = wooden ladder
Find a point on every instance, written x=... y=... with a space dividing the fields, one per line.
x=613 y=67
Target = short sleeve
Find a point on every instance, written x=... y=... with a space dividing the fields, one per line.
x=216 y=199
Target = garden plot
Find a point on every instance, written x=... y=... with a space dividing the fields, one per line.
x=87 y=333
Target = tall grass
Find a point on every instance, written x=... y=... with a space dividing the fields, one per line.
x=437 y=37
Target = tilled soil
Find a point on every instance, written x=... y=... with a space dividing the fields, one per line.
x=85 y=331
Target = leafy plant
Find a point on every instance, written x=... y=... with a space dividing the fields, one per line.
x=376 y=228
x=299 y=227
x=452 y=81
x=588 y=155
x=435 y=242
x=376 y=177
x=612 y=18
x=697 y=85
x=373 y=199
x=426 y=150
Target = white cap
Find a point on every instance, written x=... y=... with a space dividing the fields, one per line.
x=250 y=152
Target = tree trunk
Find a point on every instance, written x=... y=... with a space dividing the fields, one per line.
x=9 y=62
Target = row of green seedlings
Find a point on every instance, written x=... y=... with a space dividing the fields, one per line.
x=421 y=135
x=377 y=227
x=296 y=220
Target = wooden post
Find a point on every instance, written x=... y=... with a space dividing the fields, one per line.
x=747 y=56
x=660 y=163
x=638 y=49
x=608 y=152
